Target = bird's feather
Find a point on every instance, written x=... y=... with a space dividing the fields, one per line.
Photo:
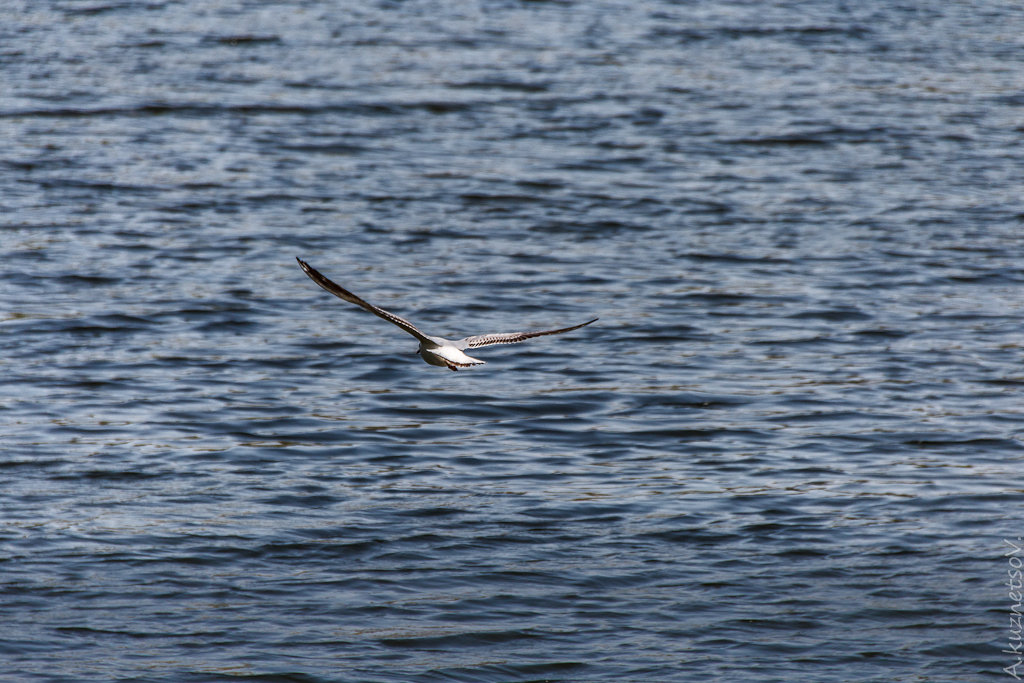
x=342 y=293
x=514 y=337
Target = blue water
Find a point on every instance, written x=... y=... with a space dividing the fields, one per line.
x=790 y=450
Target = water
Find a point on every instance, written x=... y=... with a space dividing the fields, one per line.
x=789 y=451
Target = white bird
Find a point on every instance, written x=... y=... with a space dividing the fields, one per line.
x=434 y=350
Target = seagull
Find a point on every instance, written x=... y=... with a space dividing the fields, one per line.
x=433 y=350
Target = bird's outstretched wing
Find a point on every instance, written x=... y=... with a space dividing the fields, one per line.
x=514 y=337
x=342 y=293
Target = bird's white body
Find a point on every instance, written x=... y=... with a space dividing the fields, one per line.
x=446 y=354
x=437 y=351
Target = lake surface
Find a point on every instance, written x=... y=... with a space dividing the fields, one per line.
x=790 y=450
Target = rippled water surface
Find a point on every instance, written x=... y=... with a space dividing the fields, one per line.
x=789 y=451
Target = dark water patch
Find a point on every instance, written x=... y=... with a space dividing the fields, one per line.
x=833 y=314
x=964 y=444
x=243 y=39
x=882 y=333
x=465 y=639
x=191 y=109
x=95 y=9
x=311 y=501
x=111 y=475
x=541 y=184
x=509 y=200
x=691 y=536
x=604 y=164
x=284 y=677
x=694 y=400
x=506 y=672
x=505 y=85
x=333 y=148
x=735 y=257
x=94 y=186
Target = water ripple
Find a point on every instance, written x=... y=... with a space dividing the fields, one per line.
x=790 y=446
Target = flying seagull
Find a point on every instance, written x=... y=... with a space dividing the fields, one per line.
x=434 y=350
